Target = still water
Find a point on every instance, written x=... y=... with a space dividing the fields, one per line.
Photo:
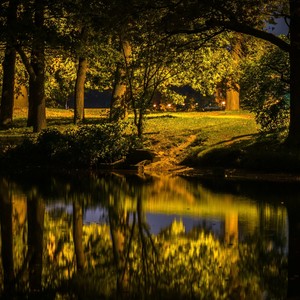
x=116 y=236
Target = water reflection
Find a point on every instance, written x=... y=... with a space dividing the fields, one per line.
x=90 y=236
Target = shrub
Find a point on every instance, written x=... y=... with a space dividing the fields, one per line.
x=85 y=147
x=105 y=143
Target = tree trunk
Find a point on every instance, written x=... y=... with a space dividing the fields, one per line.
x=8 y=87
x=77 y=235
x=6 y=221
x=140 y=122
x=35 y=213
x=37 y=102
x=79 y=90
x=9 y=66
x=232 y=99
x=30 y=114
x=233 y=91
x=118 y=107
x=294 y=128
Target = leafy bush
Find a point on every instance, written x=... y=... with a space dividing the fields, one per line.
x=85 y=147
x=105 y=143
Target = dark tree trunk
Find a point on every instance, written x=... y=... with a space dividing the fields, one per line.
x=8 y=87
x=35 y=213
x=37 y=105
x=6 y=221
x=9 y=65
x=294 y=251
x=77 y=235
x=79 y=90
x=37 y=102
x=294 y=128
x=139 y=121
x=30 y=115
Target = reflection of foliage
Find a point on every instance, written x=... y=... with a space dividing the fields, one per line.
x=175 y=264
x=191 y=266
x=202 y=268
x=267 y=260
x=60 y=257
x=174 y=229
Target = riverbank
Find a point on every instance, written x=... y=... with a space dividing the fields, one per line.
x=221 y=144
x=224 y=145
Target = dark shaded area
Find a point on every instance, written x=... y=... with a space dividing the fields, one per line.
x=94 y=99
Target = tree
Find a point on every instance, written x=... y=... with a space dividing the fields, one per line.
x=6 y=221
x=36 y=213
x=35 y=66
x=119 y=101
x=156 y=63
x=37 y=99
x=250 y=19
x=294 y=51
x=265 y=85
x=233 y=89
x=79 y=90
x=9 y=64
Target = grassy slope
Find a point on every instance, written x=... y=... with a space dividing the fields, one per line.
x=176 y=136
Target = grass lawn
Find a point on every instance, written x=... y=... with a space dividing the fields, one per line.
x=209 y=128
x=162 y=130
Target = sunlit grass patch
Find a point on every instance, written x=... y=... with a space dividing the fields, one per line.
x=209 y=128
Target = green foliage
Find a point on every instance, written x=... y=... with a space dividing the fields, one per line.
x=96 y=144
x=61 y=76
x=265 y=87
x=85 y=147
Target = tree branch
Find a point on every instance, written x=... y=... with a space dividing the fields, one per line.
x=26 y=62
x=242 y=28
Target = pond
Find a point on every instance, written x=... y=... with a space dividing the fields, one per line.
x=129 y=236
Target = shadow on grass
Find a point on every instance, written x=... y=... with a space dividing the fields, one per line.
x=256 y=153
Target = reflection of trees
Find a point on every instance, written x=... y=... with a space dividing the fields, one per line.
x=126 y=256
x=35 y=212
x=117 y=222
x=21 y=268
x=6 y=221
x=294 y=249
x=131 y=240
x=77 y=235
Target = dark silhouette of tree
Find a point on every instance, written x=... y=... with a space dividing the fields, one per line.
x=77 y=235
x=6 y=222
x=9 y=65
x=35 y=213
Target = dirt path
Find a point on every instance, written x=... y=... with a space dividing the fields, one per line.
x=168 y=161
